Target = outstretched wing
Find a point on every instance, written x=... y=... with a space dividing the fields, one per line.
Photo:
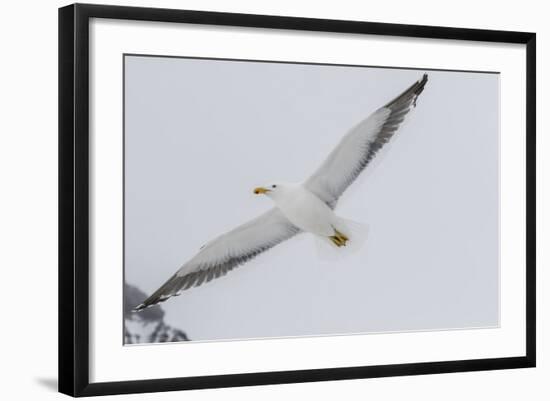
x=226 y=252
x=360 y=145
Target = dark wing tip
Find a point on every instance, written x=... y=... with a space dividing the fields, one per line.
x=153 y=300
x=410 y=95
x=421 y=83
x=419 y=87
x=139 y=308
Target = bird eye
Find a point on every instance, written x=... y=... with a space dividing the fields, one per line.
x=274 y=186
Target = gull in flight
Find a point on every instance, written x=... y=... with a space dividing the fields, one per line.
x=303 y=207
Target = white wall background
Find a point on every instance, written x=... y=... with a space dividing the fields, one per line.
x=28 y=201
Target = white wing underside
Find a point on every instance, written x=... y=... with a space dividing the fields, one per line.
x=329 y=182
x=226 y=252
x=360 y=145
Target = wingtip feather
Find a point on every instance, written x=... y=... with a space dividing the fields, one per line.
x=410 y=95
x=420 y=87
x=139 y=308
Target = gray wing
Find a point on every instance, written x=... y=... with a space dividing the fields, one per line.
x=360 y=145
x=226 y=252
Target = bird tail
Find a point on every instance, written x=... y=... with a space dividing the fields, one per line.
x=349 y=237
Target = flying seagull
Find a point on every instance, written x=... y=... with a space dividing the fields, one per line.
x=304 y=207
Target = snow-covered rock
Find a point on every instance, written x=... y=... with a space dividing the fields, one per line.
x=146 y=326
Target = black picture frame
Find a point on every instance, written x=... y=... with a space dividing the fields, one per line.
x=74 y=198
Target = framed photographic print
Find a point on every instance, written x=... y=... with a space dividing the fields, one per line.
x=250 y=199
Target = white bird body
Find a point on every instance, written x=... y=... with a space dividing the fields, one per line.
x=306 y=207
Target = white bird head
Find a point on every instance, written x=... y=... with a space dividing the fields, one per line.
x=272 y=190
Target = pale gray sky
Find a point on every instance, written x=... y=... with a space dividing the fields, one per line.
x=201 y=134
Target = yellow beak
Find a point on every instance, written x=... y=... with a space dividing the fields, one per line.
x=260 y=190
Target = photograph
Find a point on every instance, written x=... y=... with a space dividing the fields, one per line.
x=273 y=199
x=265 y=198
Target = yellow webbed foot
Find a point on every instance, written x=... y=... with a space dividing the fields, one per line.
x=339 y=239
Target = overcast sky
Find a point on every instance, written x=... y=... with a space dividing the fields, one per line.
x=201 y=134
